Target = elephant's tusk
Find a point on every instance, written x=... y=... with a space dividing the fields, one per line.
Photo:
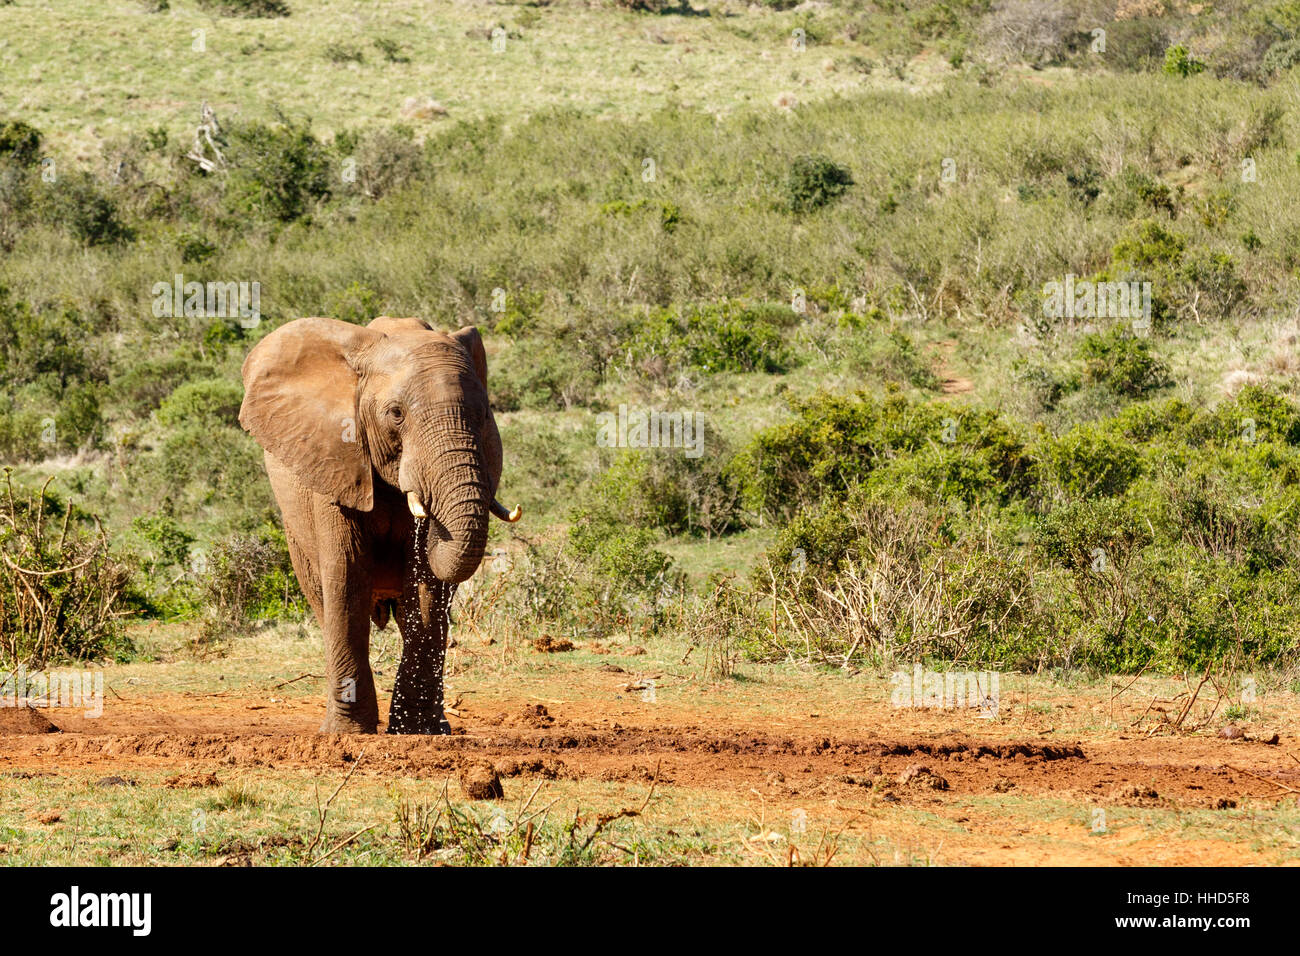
x=413 y=503
x=499 y=510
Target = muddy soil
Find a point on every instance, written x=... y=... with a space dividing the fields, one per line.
x=215 y=734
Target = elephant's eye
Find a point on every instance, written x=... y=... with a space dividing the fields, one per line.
x=395 y=414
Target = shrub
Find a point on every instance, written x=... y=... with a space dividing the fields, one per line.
x=277 y=170
x=391 y=50
x=343 y=53
x=1089 y=537
x=1135 y=45
x=814 y=182
x=194 y=248
x=663 y=489
x=1281 y=56
x=624 y=559
x=646 y=6
x=249 y=577
x=618 y=552
x=835 y=443
x=247 y=8
x=876 y=578
x=41 y=346
x=1025 y=31
x=1180 y=62
x=1089 y=462
x=88 y=212
x=534 y=374
x=20 y=143
x=1214 y=275
x=893 y=356
x=1217 y=511
x=600 y=577
x=1150 y=246
x=1123 y=363
x=61 y=591
x=721 y=337
x=202 y=402
x=385 y=160
x=1084 y=184
x=1046 y=385
x=167 y=537
x=669 y=214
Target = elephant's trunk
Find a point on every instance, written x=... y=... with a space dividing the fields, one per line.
x=456 y=496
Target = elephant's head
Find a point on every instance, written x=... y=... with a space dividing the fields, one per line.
x=344 y=405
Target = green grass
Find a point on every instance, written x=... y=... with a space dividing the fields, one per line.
x=146 y=824
x=102 y=68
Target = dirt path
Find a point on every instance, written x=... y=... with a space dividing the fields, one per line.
x=950 y=382
x=581 y=740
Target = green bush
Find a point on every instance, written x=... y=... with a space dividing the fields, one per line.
x=1091 y=537
x=1281 y=56
x=534 y=374
x=41 y=347
x=1089 y=462
x=246 y=8
x=1180 y=62
x=169 y=540
x=248 y=578
x=1150 y=246
x=88 y=211
x=1045 y=384
x=338 y=53
x=814 y=182
x=385 y=160
x=663 y=489
x=20 y=143
x=893 y=356
x=277 y=170
x=722 y=337
x=669 y=214
x=194 y=248
x=835 y=443
x=604 y=575
x=202 y=402
x=1123 y=363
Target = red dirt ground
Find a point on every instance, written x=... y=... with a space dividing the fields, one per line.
x=592 y=739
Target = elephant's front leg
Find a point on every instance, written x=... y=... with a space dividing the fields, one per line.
x=422 y=617
x=351 y=704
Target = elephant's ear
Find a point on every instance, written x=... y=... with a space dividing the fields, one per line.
x=472 y=342
x=388 y=324
x=300 y=403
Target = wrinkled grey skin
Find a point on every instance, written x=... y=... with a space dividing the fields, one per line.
x=365 y=428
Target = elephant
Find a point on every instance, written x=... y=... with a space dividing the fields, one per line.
x=384 y=459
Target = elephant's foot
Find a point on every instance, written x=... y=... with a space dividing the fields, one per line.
x=353 y=707
x=405 y=721
x=351 y=718
x=346 y=724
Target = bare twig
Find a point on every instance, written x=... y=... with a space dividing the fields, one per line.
x=286 y=683
x=341 y=845
x=323 y=812
x=1263 y=779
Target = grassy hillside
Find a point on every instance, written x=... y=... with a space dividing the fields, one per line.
x=827 y=229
